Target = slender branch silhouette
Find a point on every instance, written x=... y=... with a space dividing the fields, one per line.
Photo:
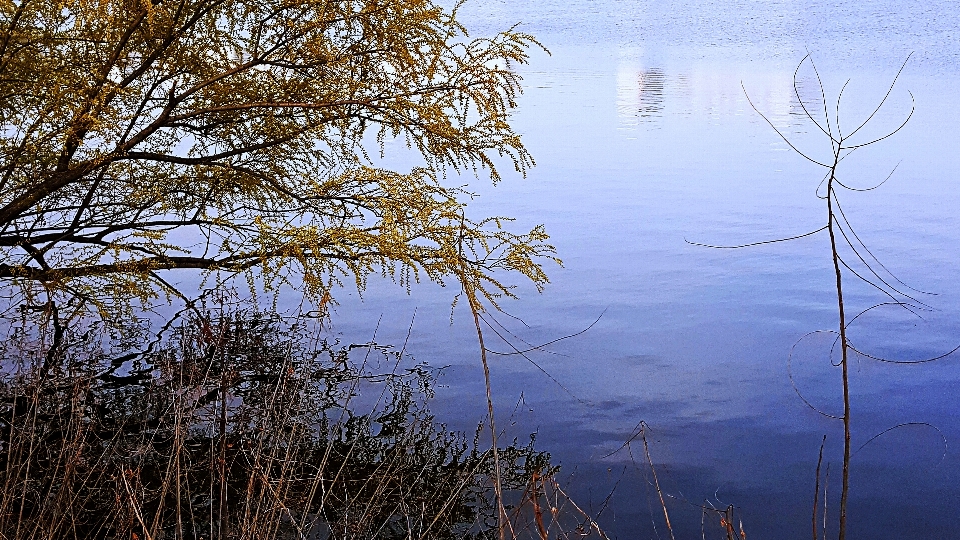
x=843 y=237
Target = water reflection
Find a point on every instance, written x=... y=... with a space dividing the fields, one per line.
x=640 y=95
x=646 y=94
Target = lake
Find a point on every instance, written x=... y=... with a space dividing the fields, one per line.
x=645 y=141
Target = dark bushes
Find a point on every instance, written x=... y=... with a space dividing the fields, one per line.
x=238 y=425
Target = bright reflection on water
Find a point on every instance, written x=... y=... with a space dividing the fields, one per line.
x=644 y=137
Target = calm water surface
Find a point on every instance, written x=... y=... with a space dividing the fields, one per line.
x=644 y=138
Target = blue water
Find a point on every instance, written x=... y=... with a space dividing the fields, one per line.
x=644 y=138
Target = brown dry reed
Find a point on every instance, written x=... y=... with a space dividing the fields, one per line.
x=238 y=424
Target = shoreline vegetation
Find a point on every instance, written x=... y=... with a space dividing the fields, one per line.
x=242 y=425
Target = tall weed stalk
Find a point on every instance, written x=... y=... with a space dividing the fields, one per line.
x=850 y=257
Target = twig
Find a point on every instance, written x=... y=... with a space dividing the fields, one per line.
x=656 y=481
x=816 y=489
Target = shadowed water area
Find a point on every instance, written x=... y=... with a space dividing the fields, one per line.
x=644 y=140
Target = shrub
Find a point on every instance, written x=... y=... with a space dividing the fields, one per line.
x=238 y=425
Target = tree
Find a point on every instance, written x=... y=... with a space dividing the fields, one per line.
x=231 y=137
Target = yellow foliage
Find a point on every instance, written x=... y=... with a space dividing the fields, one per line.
x=143 y=137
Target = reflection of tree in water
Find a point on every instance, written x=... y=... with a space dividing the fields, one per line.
x=650 y=87
x=640 y=93
x=243 y=425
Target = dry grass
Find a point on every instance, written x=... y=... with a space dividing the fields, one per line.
x=238 y=425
